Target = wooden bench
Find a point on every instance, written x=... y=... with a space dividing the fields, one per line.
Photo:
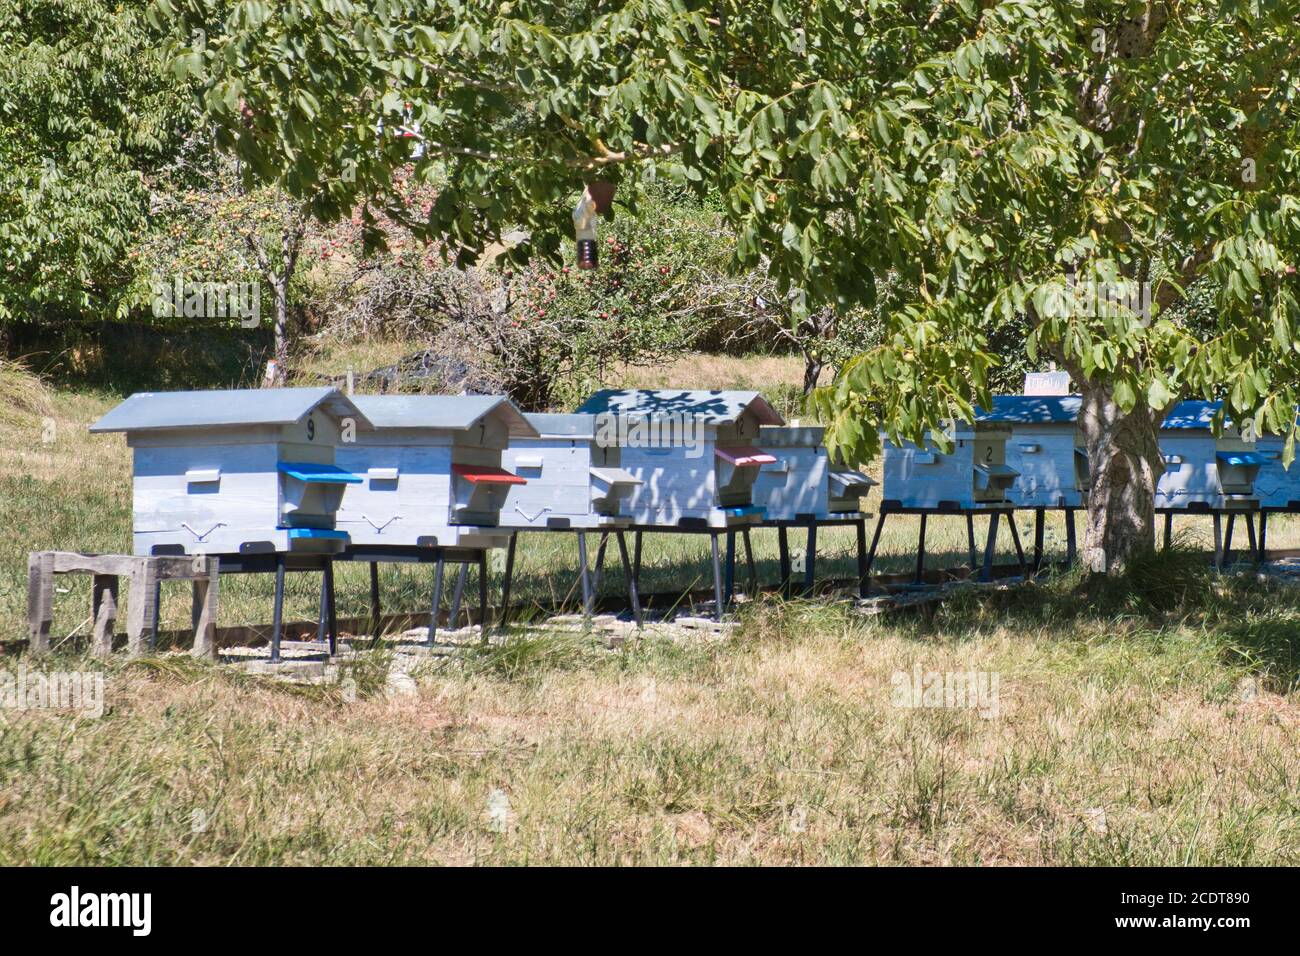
x=146 y=575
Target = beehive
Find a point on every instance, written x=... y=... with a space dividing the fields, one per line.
x=242 y=471
x=1044 y=448
x=692 y=451
x=802 y=484
x=974 y=474
x=1203 y=471
x=1276 y=486
x=432 y=470
x=573 y=481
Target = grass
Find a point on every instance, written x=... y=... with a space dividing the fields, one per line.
x=1154 y=722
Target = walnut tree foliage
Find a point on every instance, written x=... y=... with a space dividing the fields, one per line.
x=987 y=156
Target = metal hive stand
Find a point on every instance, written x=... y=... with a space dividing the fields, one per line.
x=589 y=579
x=995 y=512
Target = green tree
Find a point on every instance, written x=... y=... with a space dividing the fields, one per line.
x=88 y=111
x=1002 y=162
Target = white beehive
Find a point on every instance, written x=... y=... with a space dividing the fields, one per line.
x=693 y=452
x=802 y=484
x=1276 y=486
x=573 y=481
x=1044 y=448
x=241 y=471
x=974 y=474
x=1202 y=471
x=432 y=470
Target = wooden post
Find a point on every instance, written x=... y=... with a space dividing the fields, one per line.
x=206 y=601
x=142 y=609
x=505 y=583
x=104 y=594
x=40 y=601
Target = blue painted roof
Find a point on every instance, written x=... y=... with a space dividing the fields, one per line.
x=1193 y=413
x=1239 y=458
x=1032 y=409
x=715 y=407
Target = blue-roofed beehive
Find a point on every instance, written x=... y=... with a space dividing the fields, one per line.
x=240 y=471
x=573 y=481
x=693 y=452
x=1201 y=469
x=431 y=469
x=1044 y=447
x=1276 y=485
x=973 y=474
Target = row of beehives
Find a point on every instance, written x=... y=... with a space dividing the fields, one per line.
x=313 y=470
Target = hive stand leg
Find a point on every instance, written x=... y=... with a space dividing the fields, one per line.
x=750 y=567
x=588 y=598
x=277 y=608
x=206 y=602
x=1263 y=536
x=783 y=549
x=990 y=546
x=1071 y=549
x=157 y=611
x=600 y=562
x=636 y=560
x=731 y=567
x=142 y=612
x=1218 y=543
x=506 y=581
x=717 y=577
x=1169 y=530
x=483 y=595
x=1227 y=539
x=1039 y=520
x=439 y=568
x=104 y=602
x=810 y=562
x=376 y=611
x=860 y=527
x=458 y=595
x=1249 y=521
x=919 y=577
x=332 y=608
x=970 y=541
x=632 y=594
x=324 y=611
x=875 y=543
x=1015 y=540
x=40 y=601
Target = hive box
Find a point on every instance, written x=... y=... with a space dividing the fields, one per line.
x=801 y=484
x=974 y=474
x=572 y=480
x=1276 y=486
x=692 y=451
x=432 y=470
x=1202 y=470
x=243 y=471
x=1044 y=448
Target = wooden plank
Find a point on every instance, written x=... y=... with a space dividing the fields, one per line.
x=140 y=635
x=104 y=594
x=40 y=600
x=206 y=591
x=166 y=567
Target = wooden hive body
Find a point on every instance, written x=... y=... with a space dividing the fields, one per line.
x=1044 y=448
x=1202 y=470
x=692 y=452
x=239 y=471
x=974 y=474
x=1276 y=485
x=802 y=484
x=432 y=469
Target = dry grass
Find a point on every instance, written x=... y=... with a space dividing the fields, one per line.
x=1153 y=726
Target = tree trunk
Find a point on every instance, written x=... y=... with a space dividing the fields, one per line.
x=281 y=290
x=1124 y=463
